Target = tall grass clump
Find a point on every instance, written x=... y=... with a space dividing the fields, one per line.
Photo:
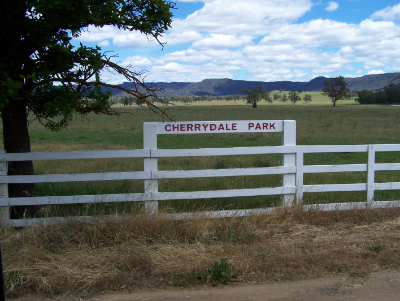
x=141 y=251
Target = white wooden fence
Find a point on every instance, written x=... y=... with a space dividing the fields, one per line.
x=292 y=171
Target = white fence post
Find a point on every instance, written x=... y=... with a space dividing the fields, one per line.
x=371 y=175
x=288 y=139
x=4 y=211
x=150 y=164
x=299 y=174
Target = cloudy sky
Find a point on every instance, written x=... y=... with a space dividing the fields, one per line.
x=264 y=40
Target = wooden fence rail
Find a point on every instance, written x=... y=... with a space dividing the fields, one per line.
x=291 y=189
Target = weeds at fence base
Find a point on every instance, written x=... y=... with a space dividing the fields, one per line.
x=216 y=273
x=144 y=252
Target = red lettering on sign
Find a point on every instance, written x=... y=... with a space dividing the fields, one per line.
x=218 y=126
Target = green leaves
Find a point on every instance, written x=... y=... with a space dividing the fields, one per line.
x=336 y=89
x=255 y=96
x=41 y=67
x=294 y=96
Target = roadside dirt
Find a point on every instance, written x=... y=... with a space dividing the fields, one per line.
x=383 y=286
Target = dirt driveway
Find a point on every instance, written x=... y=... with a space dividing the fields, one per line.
x=380 y=286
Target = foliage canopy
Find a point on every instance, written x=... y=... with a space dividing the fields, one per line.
x=336 y=89
x=389 y=95
x=41 y=66
x=255 y=96
x=43 y=74
x=294 y=96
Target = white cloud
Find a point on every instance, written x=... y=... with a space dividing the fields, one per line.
x=278 y=74
x=317 y=33
x=351 y=75
x=328 y=68
x=120 y=37
x=104 y=43
x=174 y=36
x=282 y=54
x=263 y=39
x=253 y=17
x=389 y=13
x=376 y=72
x=94 y=34
x=176 y=72
x=332 y=6
x=205 y=1
x=221 y=41
x=185 y=56
x=136 y=62
x=134 y=39
x=373 y=64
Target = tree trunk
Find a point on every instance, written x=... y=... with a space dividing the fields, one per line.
x=254 y=105
x=16 y=140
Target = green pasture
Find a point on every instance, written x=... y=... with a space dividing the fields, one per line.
x=316 y=124
x=317 y=99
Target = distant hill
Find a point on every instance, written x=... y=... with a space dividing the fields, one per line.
x=374 y=82
x=225 y=86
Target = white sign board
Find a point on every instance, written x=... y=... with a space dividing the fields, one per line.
x=152 y=129
x=215 y=127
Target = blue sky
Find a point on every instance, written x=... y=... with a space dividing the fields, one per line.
x=265 y=40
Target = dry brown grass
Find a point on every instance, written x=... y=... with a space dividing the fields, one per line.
x=146 y=252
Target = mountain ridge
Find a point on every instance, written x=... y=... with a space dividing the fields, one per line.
x=225 y=86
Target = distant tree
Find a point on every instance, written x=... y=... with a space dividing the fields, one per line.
x=336 y=89
x=255 y=96
x=281 y=90
x=284 y=98
x=186 y=99
x=364 y=97
x=277 y=96
x=126 y=100
x=232 y=97
x=351 y=95
x=112 y=100
x=294 y=96
x=392 y=93
x=307 y=98
x=380 y=98
x=140 y=102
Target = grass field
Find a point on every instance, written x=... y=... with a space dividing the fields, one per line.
x=317 y=99
x=344 y=124
x=141 y=252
